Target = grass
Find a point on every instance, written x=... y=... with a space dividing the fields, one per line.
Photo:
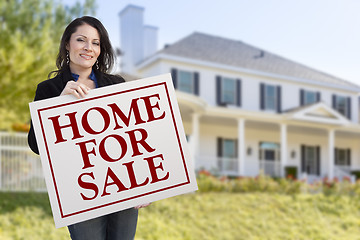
x=208 y=215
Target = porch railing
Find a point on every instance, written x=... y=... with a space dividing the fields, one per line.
x=20 y=169
x=342 y=172
x=219 y=165
x=270 y=168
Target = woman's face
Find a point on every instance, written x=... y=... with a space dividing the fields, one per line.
x=84 y=48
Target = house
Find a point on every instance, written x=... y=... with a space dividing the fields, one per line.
x=246 y=110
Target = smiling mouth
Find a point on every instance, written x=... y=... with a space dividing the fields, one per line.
x=87 y=57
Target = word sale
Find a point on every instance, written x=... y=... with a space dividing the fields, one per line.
x=134 y=142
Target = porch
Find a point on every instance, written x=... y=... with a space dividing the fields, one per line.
x=313 y=140
x=229 y=167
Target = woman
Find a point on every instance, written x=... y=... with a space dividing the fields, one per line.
x=85 y=56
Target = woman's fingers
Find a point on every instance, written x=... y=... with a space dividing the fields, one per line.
x=142 y=205
x=79 y=90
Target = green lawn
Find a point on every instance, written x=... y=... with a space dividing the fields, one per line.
x=204 y=216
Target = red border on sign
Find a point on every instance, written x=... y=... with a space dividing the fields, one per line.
x=126 y=199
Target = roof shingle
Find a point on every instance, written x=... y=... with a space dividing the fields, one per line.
x=220 y=50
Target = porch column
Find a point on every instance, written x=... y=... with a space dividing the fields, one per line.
x=331 y=144
x=194 y=140
x=241 y=146
x=283 y=153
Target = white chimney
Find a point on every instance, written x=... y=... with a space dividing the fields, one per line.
x=137 y=41
x=150 y=40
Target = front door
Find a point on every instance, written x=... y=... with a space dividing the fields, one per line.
x=270 y=158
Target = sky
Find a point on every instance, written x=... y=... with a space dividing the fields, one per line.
x=321 y=34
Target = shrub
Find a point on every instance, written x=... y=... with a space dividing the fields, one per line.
x=262 y=183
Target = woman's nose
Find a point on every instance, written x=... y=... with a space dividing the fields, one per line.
x=87 y=47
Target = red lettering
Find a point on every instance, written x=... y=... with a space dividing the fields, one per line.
x=149 y=108
x=116 y=181
x=135 y=142
x=85 y=122
x=126 y=119
x=72 y=124
x=105 y=155
x=152 y=168
x=88 y=185
x=85 y=153
x=131 y=173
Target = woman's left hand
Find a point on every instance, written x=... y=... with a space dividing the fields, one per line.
x=142 y=205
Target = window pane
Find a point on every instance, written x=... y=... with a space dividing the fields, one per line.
x=341 y=104
x=270 y=155
x=185 y=82
x=269 y=145
x=229 y=148
x=270 y=97
x=310 y=160
x=228 y=90
x=341 y=158
x=310 y=97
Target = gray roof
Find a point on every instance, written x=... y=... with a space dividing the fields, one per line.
x=220 y=50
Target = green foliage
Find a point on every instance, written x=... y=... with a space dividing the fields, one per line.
x=291 y=172
x=356 y=173
x=209 y=183
x=30 y=32
x=226 y=216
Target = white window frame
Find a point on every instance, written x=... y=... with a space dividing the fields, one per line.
x=310 y=94
x=343 y=110
x=181 y=84
x=309 y=161
x=230 y=141
x=344 y=161
x=223 y=92
x=267 y=98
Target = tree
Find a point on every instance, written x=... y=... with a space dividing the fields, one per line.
x=30 y=32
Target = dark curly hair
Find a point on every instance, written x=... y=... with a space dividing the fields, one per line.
x=106 y=58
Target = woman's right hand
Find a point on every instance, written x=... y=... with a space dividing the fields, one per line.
x=79 y=90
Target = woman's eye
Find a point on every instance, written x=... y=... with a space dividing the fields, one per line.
x=80 y=40
x=96 y=43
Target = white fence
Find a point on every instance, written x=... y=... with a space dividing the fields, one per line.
x=20 y=168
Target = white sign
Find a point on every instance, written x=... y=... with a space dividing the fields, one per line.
x=120 y=146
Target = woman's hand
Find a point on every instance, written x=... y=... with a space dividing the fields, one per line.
x=142 y=205
x=79 y=90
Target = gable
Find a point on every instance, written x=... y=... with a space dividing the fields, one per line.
x=319 y=113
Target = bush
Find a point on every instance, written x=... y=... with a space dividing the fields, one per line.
x=209 y=183
x=262 y=183
x=291 y=172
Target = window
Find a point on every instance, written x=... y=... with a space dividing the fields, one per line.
x=229 y=148
x=340 y=105
x=227 y=156
x=228 y=91
x=342 y=157
x=309 y=97
x=270 y=97
x=310 y=159
x=185 y=81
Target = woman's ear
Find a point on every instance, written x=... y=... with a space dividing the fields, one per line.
x=67 y=46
